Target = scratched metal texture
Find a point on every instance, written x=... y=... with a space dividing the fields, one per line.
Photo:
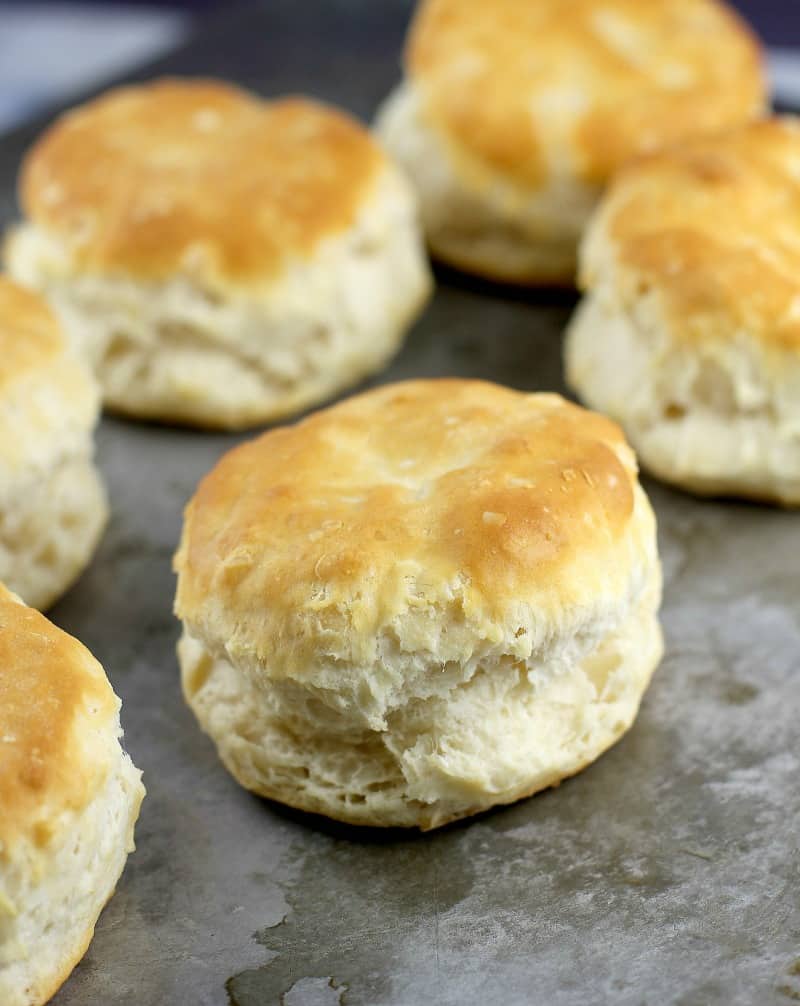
x=667 y=873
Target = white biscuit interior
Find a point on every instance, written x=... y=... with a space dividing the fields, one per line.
x=453 y=743
x=715 y=417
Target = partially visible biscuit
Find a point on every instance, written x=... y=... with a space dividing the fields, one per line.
x=433 y=598
x=221 y=260
x=689 y=334
x=69 y=799
x=52 y=503
x=513 y=115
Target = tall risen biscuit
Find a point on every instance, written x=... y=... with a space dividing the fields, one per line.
x=69 y=798
x=52 y=502
x=220 y=259
x=514 y=114
x=689 y=334
x=433 y=598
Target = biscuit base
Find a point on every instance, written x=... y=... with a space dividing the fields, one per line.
x=680 y=403
x=531 y=728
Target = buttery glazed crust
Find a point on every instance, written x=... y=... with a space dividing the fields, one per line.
x=711 y=226
x=197 y=177
x=322 y=533
x=517 y=86
x=55 y=704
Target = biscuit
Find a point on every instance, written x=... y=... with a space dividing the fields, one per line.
x=513 y=115
x=69 y=799
x=52 y=502
x=689 y=333
x=433 y=598
x=221 y=260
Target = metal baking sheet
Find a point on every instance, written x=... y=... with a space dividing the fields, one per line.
x=666 y=873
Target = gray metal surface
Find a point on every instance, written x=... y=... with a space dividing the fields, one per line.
x=667 y=873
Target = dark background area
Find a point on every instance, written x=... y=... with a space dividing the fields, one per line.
x=778 y=21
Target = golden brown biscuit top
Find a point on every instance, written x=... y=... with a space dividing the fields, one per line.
x=197 y=177
x=30 y=336
x=509 y=81
x=56 y=707
x=714 y=227
x=396 y=501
